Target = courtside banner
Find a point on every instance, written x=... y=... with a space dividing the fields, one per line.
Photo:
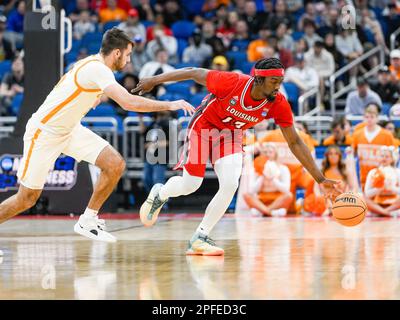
x=62 y=177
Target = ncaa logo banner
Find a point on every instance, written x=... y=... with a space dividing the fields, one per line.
x=62 y=177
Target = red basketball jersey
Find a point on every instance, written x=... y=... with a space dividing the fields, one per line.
x=230 y=106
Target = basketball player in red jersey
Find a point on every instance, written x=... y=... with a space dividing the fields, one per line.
x=236 y=102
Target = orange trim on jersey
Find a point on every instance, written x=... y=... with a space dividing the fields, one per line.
x=35 y=136
x=76 y=78
x=61 y=105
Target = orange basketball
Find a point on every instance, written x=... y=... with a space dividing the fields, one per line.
x=349 y=209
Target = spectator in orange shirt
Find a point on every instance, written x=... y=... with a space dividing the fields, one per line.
x=389 y=125
x=256 y=48
x=335 y=168
x=339 y=136
x=368 y=141
x=302 y=126
x=395 y=65
x=112 y=13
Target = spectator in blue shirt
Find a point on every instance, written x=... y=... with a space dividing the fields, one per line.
x=16 y=18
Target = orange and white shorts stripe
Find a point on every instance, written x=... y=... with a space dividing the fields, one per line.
x=42 y=148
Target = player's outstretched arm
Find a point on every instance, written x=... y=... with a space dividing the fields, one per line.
x=303 y=154
x=198 y=75
x=140 y=104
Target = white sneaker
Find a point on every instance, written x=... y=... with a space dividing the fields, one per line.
x=279 y=212
x=93 y=228
x=152 y=206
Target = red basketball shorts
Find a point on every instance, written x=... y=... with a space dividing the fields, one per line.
x=205 y=142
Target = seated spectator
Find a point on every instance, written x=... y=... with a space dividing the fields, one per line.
x=112 y=12
x=198 y=51
x=302 y=126
x=367 y=141
x=6 y=47
x=132 y=25
x=156 y=136
x=285 y=40
x=284 y=55
x=330 y=23
x=300 y=46
x=153 y=68
x=139 y=55
x=382 y=187
x=388 y=91
x=13 y=82
x=330 y=46
x=280 y=15
x=371 y=24
x=310 y=34
x=159 y=25
x=333 y=167
x=83 y=25
x=391 y=16
x=171 y=10
x=220 y=63
x=271 y=194
x=299 y=177
x=241 y=39
x=349 y=45
x=145 y=10
x=339 y=136
x=15 y=24
x=81 y=6
x=357 y=100
x=165 y=42
x=322 y=61
x=303 y=76
x=395 y=65
x=389 y=126
x=253 y=19
x=256 y=47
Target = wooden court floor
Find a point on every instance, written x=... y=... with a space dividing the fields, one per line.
x=265 y=258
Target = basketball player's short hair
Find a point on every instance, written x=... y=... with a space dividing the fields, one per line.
x=270 y=63
x=115 y=39
x=372 y=108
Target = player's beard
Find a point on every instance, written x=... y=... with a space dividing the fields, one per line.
x=118 y=65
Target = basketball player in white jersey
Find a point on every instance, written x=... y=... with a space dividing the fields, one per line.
x=55 y=128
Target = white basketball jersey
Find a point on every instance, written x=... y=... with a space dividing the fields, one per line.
x=74 y=95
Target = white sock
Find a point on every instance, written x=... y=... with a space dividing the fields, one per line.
x=228 y=170
x=90 y=213
x=180 y=185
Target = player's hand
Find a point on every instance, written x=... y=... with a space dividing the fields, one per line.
x=331 y=189
x=145 y=85
x=182 y=104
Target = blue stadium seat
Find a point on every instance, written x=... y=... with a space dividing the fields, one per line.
x=16 y=104
x=183 y=29
x=182 y=88
x=5 y=66
x=91 y=37
x=93 y=48
x=238 y=58
x=193 y=7
x=185 y=65
x=110 y=24
x=297 y=35
x=102 y=110
x=196 y=99
x=293 y=93
x=246 y=67
x=386 y=108
x=239 y=45
x=182 y=45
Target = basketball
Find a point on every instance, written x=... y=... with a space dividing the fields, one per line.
x=349 y=209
